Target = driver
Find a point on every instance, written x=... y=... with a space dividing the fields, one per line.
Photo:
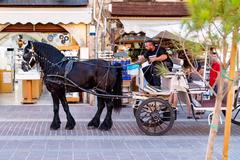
x=155 y=55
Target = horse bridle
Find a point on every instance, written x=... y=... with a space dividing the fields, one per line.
x=33 y=58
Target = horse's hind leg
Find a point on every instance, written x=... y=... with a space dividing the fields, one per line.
x=70 y=120
x=56 y=120
x=107 y=123
x=94 y=123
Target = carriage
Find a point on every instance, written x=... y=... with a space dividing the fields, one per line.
x=154 y=114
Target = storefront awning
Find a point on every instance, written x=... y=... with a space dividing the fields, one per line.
x=151 y=26
x=43 y=3
x=45 y=15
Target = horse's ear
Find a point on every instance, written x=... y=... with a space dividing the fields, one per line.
x=30 y=44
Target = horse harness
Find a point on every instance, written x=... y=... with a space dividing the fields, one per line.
x=67 y=69
x=104 y=79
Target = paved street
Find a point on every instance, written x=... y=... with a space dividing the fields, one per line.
x=25 y=135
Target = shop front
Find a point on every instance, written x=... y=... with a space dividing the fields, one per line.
x=65 y=28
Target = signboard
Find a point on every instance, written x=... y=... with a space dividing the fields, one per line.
x=7 y=77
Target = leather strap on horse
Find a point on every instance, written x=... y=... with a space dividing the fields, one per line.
x=68 y=67
x=87 y=90
x=103 y=80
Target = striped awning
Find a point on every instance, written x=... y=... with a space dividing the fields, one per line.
x=151 y=27
x=45 y=15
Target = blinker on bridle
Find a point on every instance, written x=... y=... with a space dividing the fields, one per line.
x=31 y=59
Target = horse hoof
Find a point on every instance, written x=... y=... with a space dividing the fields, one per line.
x=91 y=127
x=93 y=124
x=70 y=126
x=105 y=126
x=54 y=126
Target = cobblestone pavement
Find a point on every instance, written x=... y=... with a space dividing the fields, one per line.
x=25 y=135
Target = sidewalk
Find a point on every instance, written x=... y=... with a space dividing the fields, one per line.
x=25 y=135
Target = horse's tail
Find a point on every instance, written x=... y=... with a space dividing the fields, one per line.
x=117 y=88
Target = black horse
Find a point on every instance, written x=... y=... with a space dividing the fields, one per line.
x=62 y=75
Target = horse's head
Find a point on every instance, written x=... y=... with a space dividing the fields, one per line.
x=29 y=57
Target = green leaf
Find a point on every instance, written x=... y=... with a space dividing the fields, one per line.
x=204 y=15
x=162 y=70
x=235 y=3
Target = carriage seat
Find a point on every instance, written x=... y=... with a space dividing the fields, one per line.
x=206 y=105
x=143 y=85
x=167 y=84
x=177 y=64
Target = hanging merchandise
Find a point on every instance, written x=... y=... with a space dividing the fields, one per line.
x=50 y=38
x=66 y=38
x=92 y=31
x=63 y=41
x=63 y=38
x=20 y=41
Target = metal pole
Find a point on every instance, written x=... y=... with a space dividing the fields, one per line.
x=98 y=24
x=205 y=63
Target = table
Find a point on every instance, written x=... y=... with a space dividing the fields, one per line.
x=31 y=85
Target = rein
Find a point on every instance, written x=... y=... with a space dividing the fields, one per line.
x=90 y=91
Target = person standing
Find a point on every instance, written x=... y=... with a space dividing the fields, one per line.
x=214 y=70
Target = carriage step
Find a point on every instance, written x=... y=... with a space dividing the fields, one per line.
x=168 y=116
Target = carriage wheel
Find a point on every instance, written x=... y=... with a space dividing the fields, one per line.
x=155 y=116
x=236 y=110
x=134 y=111
x=138 y=102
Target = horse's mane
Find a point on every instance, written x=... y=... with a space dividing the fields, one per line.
x=48 y=51
x=54 y=55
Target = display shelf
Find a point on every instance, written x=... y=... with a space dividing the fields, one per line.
x=31 y=83
x=65 y=48
x=73 y=97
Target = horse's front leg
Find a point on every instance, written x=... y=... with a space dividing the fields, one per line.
x=70 y=120
x=95 y=122
x=56 y=120
x=107 y=123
